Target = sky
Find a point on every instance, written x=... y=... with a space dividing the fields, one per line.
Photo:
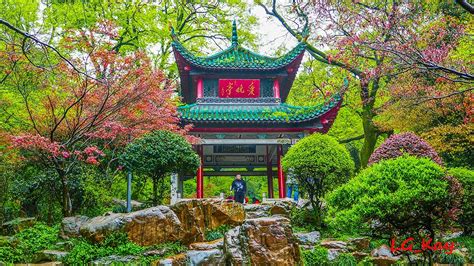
x=273 y=34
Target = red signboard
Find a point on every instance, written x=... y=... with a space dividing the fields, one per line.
x=239 y=88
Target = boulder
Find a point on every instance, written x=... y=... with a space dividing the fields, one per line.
x=136 y=205
x=49 y=255
x=71 y=225
x=205 y=257
x=156 y=252
x=359 y=255
x=309 y=239
x=18 y=224
x=335 y=244
x=233 y=241
x=145 y=227
x=175 y=260
x=382 y=256
x=115 y=260
x=262 y=241
x=359 y=243
x=216 y=244
x=333 y=253
x=199 y=215
x=185 y=221
x=280 y=207
x=256 y=210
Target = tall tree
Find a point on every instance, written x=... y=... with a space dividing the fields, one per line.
x=70 y=118
x=357 y=36
x=146 y=25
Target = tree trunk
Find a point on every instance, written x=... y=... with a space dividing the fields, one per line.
x=155 y=191
x=370 y=137
x=370 y=130
x=66 y=197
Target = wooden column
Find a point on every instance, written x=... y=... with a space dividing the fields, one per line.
x=200 y=88
x=276 y=88
x=200 y=175
x=269 y=175
x=281 y=176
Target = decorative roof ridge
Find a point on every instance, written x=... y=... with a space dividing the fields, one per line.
x=232 y=55
x=235 y=39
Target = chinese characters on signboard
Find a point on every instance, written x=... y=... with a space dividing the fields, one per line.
x=239 y=88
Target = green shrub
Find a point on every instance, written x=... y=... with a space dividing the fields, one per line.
x=345 y=259
x=114 y=244
x=28 y=242
x=455 y=258
x=117 y=244
x=395 y=193
x=320 y=164
x=317 y=256
x=217 y=233
x=303 y=219
x=465 y=242
x=466 y=177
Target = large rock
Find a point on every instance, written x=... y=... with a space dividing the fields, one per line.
x=115 y=260
x=49 y=255
x=334 y=244
x=280 y=207
x=136 y=205
x=18 y=224
x=185 y=221
x=262 y=241
x=205 y=257
x=71 y=226
x=333 y=253
x=359 y=243
x=176 y=260
x=253 y=211
x=215 y=244
x=145 y=227
x=309 y=239
x=382 y=256
x=198 y=215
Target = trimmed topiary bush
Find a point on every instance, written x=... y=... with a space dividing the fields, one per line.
x=399 y=144
x=158 y=154
x=395 y=197
x=320 y=164
x=466 y=178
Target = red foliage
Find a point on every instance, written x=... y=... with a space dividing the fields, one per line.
x=399 y=144
x=74 y=115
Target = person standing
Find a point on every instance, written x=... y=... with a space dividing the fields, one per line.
x=240 y=188
x=292 y=185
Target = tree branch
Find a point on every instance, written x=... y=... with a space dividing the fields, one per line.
x=55 y=50
x=467 y=6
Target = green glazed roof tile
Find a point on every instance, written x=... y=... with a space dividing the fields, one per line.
x=234 y=113
x=238 y=57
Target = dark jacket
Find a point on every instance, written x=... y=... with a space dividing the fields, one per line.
x=239 y=186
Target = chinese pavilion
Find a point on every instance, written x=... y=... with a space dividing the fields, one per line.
x=235 y=100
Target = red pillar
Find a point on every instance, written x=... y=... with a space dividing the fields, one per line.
x=276 y=88
x=200 y=175
x=200 y=88
x=281 y=176
x=269 y=175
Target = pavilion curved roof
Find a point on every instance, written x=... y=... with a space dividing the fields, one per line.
x=237 y=57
